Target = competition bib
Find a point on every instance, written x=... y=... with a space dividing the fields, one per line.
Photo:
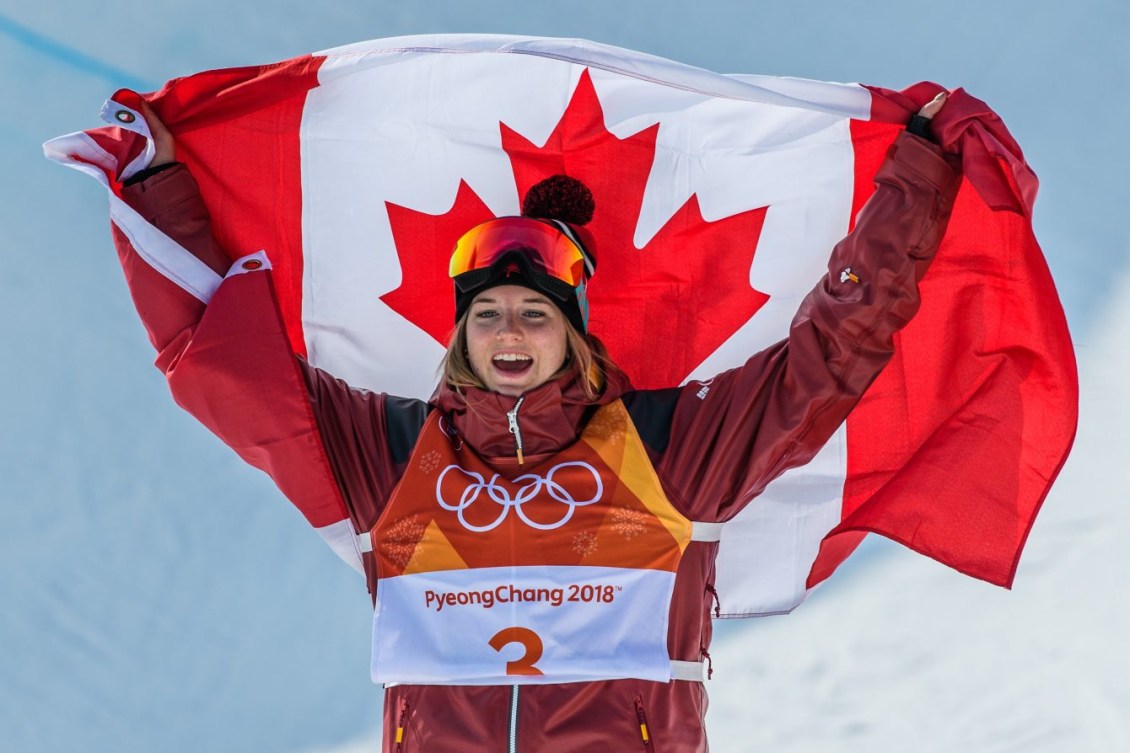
x=554 y=572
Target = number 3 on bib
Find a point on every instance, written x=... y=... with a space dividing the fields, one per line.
x=524 y=664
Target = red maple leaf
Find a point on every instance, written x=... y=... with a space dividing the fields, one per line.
x=661 y=309
x=424 y=242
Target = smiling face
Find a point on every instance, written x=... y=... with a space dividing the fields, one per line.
x=516 y=339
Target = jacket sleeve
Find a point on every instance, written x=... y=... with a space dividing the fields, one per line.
x=368 y=437
x=230 y=364
x=776 y=411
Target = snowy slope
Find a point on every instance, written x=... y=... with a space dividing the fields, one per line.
x=158 y=595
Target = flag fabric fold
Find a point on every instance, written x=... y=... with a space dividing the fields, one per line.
x=352 y=171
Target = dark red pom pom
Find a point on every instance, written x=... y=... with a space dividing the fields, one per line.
x=559 y=197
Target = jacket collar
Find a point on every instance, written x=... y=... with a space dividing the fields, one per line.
x=550 y=418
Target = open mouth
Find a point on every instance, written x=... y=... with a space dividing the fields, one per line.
x=512 y=363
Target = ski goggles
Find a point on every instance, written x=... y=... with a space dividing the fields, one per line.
x=549 y=246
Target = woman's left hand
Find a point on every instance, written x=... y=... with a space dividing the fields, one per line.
x=931 y=108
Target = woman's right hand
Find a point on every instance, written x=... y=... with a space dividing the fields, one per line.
x=162 y=137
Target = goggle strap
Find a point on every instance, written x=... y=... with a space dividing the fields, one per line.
x=567 y=231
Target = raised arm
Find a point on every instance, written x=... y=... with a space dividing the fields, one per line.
x=230 y=364
x=782 y=406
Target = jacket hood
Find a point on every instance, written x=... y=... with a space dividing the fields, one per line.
x=551 y=417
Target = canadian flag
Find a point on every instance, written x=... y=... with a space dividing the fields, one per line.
x=350 y=173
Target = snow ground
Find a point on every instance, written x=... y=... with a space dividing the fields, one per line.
x=158 y=595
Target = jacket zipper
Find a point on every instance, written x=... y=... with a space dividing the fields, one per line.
x=645 y=733
x=512 y=419
x=512 y=733
x=400 y=722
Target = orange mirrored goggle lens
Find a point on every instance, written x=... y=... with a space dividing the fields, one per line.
x=545 y=246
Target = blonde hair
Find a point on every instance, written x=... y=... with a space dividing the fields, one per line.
x=585 y=357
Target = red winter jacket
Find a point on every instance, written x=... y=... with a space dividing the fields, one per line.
x=713 y=449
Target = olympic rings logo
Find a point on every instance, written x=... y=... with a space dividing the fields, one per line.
x=528 y=487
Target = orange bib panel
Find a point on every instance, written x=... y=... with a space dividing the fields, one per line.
x=554 y=572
